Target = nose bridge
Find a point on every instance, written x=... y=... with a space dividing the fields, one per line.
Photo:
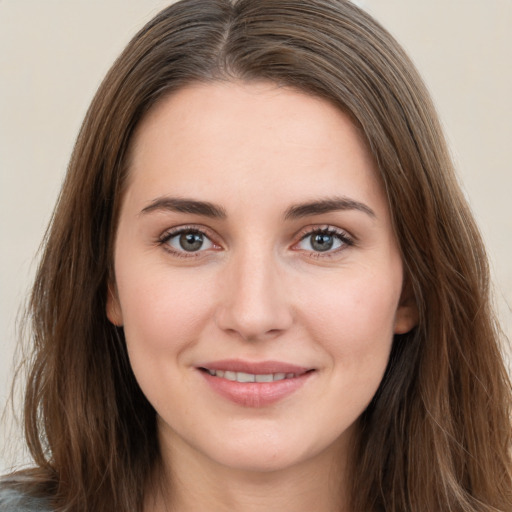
x=254 y=302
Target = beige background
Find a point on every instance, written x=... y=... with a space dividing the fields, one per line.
x=53 y=55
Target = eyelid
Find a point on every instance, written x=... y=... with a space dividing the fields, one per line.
x=193 y=228
x=346 y=238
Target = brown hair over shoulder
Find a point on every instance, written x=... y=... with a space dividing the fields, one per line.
x=437 y=435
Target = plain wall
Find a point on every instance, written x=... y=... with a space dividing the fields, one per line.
x=53 y=55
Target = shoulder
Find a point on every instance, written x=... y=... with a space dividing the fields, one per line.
x=14 y=500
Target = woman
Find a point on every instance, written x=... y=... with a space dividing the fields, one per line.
x=262 y=287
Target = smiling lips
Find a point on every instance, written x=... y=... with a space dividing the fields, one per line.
x=251 y=377
x=254 y=384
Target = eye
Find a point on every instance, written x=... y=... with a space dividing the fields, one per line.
x=186 y=240
x=325 y=240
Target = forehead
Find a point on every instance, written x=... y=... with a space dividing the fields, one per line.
x=211 y=136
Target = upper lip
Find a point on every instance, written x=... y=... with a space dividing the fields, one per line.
x=255 y=367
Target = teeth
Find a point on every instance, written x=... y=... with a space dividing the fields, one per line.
x=250 y=377
x=264 y=378
x=245 y=377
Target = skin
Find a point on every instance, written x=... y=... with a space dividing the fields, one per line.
x=257 y=289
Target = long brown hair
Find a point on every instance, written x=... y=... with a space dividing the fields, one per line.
x=437 y=435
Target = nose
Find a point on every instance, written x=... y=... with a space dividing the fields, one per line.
x=254 y=299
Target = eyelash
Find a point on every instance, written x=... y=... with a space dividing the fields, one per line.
x=343 y=237
x=168 y=235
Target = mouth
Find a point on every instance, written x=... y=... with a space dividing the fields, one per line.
x=250 y=377
x=254 y=384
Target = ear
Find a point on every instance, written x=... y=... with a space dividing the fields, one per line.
x=114 y=313
x=407 y=316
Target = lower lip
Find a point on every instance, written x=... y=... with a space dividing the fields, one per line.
x=256 y=394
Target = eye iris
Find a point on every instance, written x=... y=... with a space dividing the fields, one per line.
x=322 y=242
x=191 y=241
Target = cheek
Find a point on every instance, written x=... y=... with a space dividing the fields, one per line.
x=164 y=314
x=162 y=310
x=354 y=318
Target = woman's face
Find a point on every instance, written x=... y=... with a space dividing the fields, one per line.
x=257 y=276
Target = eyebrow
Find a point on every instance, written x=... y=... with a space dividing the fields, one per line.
x=326 y=206
x=184 y=205
x=298 y=211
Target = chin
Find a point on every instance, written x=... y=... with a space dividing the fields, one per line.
x=273 y=451
x=262 y=461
